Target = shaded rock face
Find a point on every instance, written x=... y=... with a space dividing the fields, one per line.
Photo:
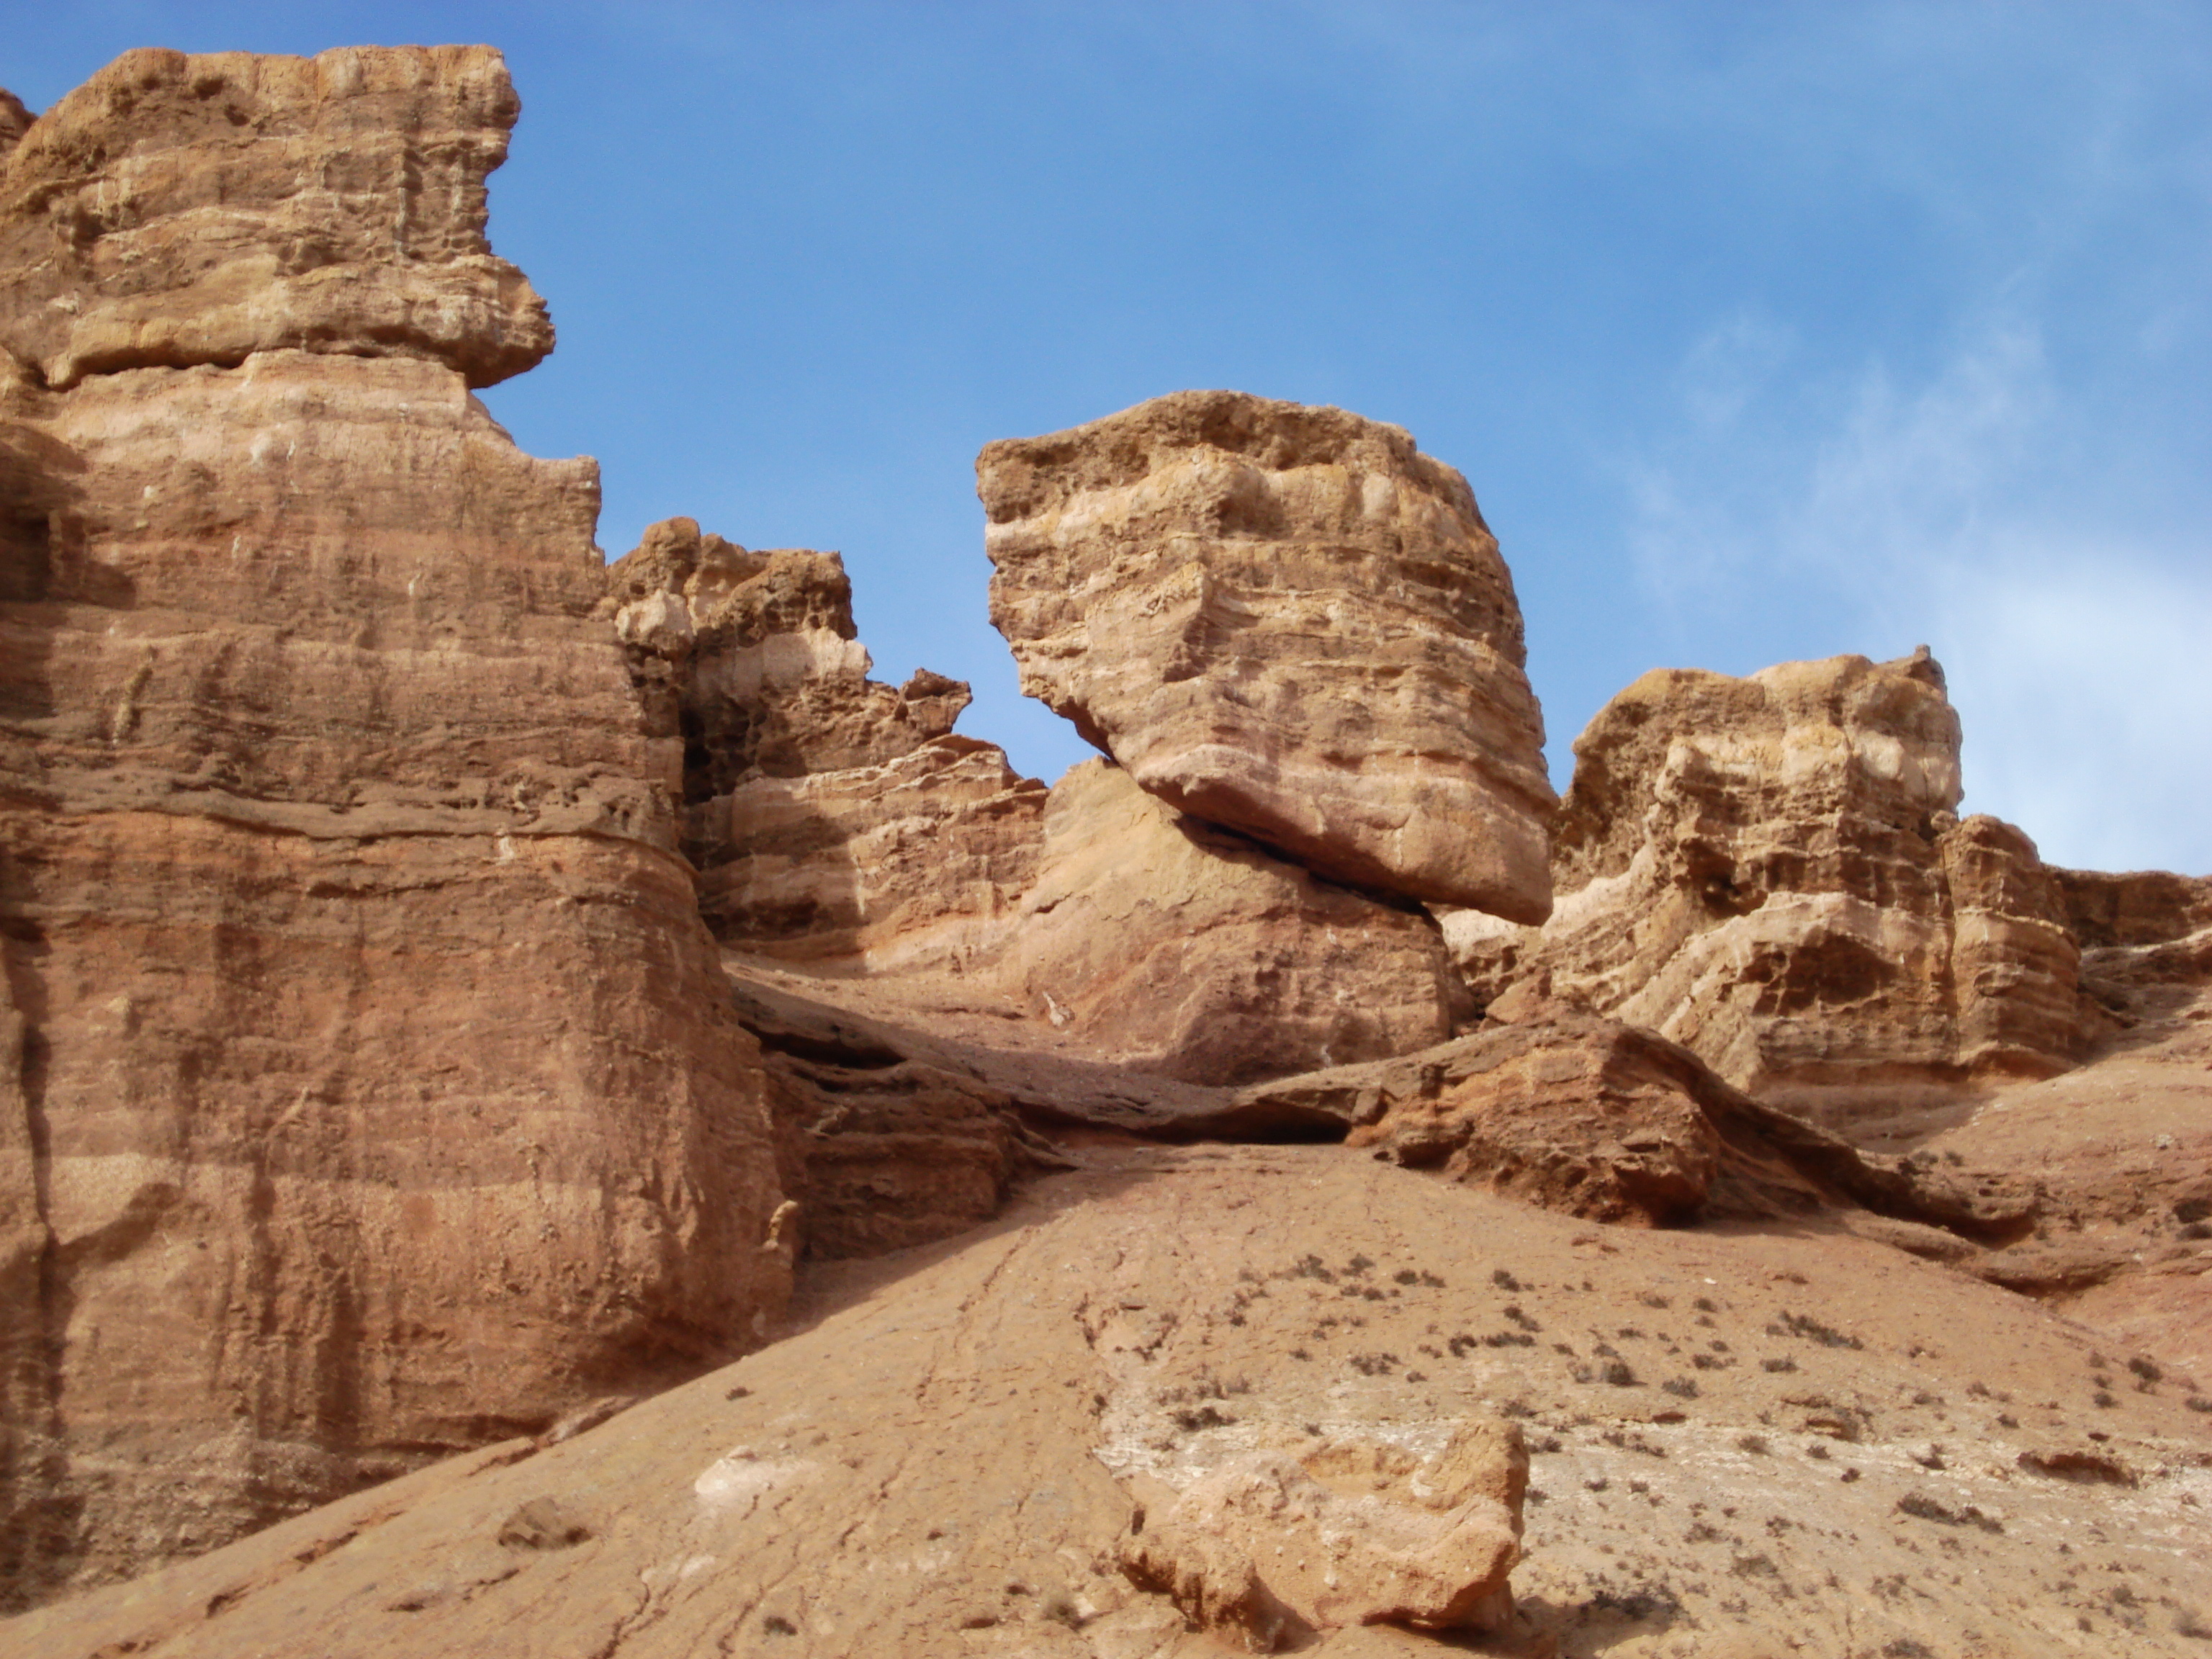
x=829 y=817
x=369 y=1090
x=1771 y=871
x=1286 y=621
x=1168 y=945
x=1276 y=1544
x=2145 y=908
x=176 y=210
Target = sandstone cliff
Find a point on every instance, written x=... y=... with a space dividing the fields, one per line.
x=374 y=1092
x=372 y=1087
x=833 y=819
x=1288 y=622
x=1770 y=870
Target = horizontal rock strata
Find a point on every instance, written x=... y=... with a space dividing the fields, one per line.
x=1771 y=871
x=833 y=819
x=1288 y=622
x=842 y=828
x=373 y=1092
x=178 y=209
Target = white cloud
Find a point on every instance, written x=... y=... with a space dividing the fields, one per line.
x=2083 y=677
x=1964 y=510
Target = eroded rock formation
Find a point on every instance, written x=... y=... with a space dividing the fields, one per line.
x=176 y=210
x=1771 y=871
x=374 y=1092
x=833 y=819
x=1288 y=622
x=15 y=120
x=842 y=827
x=1159 y=942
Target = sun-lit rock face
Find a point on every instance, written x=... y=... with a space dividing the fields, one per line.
x=835 y=820
x=179 y=209
x=1288 y=622
x=1771 y=871
x=840 y=826
x=368 y=1090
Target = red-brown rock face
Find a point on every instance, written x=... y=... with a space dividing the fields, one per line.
x=830 y=816
x=179 y=209
x=1769 y=871
x=1288 y=622
x=842 y=828
x=369 y=1086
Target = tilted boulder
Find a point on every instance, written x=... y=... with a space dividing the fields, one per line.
x=179 y=209
x=378 y=1093
x=1275 y=1545
x=1288 y=622
x=1771 y=871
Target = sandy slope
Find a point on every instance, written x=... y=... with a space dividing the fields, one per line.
x=944 y=1454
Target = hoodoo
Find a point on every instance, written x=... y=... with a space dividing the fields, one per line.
x=1288 y=622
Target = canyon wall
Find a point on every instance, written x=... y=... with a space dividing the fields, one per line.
x=373 y=1092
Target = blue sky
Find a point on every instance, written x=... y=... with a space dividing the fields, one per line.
x=1761 y=331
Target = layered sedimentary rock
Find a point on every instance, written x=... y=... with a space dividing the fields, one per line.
x=1771 y=871
x=1286 y=621
x=177 y=209
x=842 y=827
x=1158 y=941
x=1278 y=1544
x=15 y=120
x=831 y=818
x=373 y=1092
x=2142 y=908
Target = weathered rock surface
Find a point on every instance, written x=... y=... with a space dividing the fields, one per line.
x=1588 y=1116
x=842 y=828
x=2144 y=908
x=373 y=1091
x=15 y=120
x=1002 y=1406
x=833 y=819
x=1286 y=621
x=1595 y=1118
x=1769 y=870
x=177 y=210
x=1276 y=1544
x=1163 y=944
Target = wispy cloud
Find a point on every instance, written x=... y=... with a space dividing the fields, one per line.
x=1958 y=509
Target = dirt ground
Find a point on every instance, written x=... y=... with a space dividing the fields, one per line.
x=1747 y=1441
